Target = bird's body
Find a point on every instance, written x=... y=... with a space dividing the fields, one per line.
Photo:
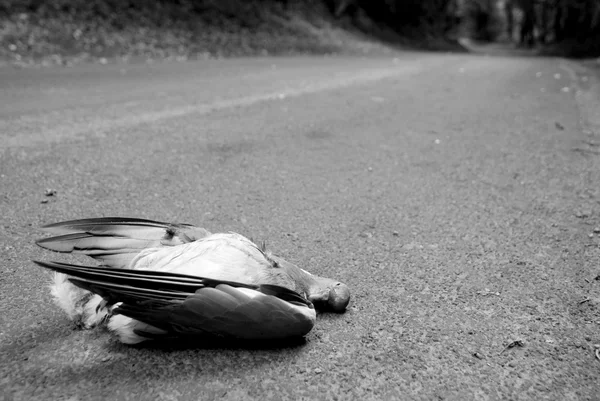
x=160 y=279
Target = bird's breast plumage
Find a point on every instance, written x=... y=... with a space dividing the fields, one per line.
x=227 y=257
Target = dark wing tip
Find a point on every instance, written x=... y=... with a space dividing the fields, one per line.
x=47 y=265
x=104 y=220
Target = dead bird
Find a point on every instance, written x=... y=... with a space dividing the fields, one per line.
x=161 y=280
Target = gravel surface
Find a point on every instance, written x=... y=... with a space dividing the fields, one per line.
x=456 y=195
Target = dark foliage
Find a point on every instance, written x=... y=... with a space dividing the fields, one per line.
x=566 y=27
x=92 y=29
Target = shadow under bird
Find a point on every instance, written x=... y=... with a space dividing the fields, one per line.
x=159 y=280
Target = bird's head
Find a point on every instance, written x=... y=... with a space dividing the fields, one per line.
x=330 y=295
x=326 y=294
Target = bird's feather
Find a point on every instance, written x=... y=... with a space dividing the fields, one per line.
x=115 y=241
x=187 y=305
x=124 y=226
x=216 y=311
x=161 y=279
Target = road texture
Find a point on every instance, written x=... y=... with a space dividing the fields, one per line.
x=456 y=195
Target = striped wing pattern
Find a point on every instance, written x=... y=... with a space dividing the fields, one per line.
x=184 y=305
x=115 y=241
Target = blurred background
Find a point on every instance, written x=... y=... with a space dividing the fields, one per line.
x=50 y=32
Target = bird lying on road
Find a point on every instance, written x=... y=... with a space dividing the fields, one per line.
x=162 y=280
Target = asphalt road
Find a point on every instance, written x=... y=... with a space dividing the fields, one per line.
x=456 y=195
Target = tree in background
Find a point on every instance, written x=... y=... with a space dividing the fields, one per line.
x=482 y=20
x=572 y=27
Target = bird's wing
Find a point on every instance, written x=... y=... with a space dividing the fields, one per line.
x=115 y=241
x=187 y=305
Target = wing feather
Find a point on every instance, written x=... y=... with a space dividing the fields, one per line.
x=187 y=305
x=115 y=241
x=123 y=226
x=260 y=317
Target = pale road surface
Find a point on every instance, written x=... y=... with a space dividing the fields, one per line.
x=456 y=195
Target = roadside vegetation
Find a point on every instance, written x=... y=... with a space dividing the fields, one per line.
x=47 y=32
